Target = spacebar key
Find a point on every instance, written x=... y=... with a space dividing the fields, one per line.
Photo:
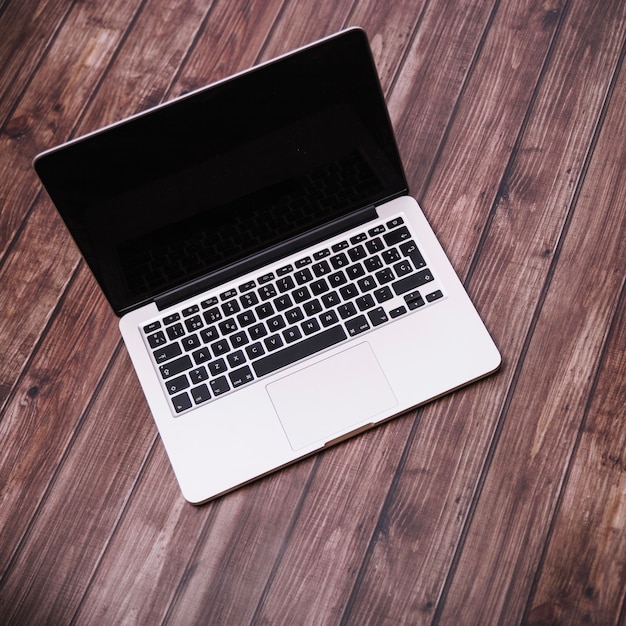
x=298 y=351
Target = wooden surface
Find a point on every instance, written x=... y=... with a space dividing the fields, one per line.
x=503 y=503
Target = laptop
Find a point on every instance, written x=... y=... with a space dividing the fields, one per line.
x=278 y=289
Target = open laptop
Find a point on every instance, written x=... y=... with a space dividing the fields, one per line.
x=278 y=289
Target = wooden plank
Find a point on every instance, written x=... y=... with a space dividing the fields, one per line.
x=48 y=577
x=583 y=576
x=57 y=95
x=504 y=543
x=27 y=28
x=52 y=259
x=51 y=562
x=426 y=516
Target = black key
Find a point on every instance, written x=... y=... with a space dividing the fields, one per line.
x=255 y=350
x=367 y=284
x=378 y=316
x=176 y=367
x=257 y=331
x=264 y=310
x=321 y=254
x=346 y=310
x=217 y=367
x=190 y=342
x=319 y=287
x=435 y=295
x=281 y=271
x=342 y=245
x=227 y=295
x=303 y=276
x=390 y=256
x=301 y=294
x=348 y=292
x=321 y=269
x=292 y=334
x=383 y=294
x=275 y=323
x=247 y=286
x=355 y=271
x=297 y=351
x=156 y=340
x=337 y=279
x=358 y=238
x=310 y=326
x=328 y=319
x=409 y=248
x=198 y=375
x=397 y=312
x=220 y=347
x=414 y=300
x=212 y=315
x=339 y=260
x=150 y=328
x=357 y=253
x=331 y=299
x=191 y=310
x=181 y=402
x=373 y=263
x=285 y=284
x=219 y=385
x=174 y=385
x=208 y=302
x=385 y=276
x=231 y=307
x=267 y=291
x=312 y=307
x=175 y=331
x=266 y=278
x=365 y=302
x=228 y=326
x=375 y=245
x=395 y=222
x=294 y=315
x=412 y=281
x=194 y=323
x=238 y=340
x=236 y=358
x=170 y=319
x=200 y=394
x=377 y=230
x=282 y=302
x=246 y=318
x=357 y=325
x=304 y=261
x=248 y=300
x=209 y=334
x=201 y=356
x=273 y=343
x=241 y=376
x=167 y=352
x=403 y=268
x=396 y=236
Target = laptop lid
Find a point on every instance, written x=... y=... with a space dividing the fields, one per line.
x=218 y=182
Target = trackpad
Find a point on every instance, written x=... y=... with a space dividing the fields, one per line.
x=326 y=399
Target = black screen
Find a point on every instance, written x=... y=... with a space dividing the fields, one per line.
x=214 y=177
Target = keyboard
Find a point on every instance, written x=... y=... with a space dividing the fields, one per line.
x=269 y=321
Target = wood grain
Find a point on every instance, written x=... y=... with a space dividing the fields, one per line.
x=502 y=503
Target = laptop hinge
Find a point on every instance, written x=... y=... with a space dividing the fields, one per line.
x=255 y=261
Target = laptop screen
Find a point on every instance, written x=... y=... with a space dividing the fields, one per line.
x=239 y=167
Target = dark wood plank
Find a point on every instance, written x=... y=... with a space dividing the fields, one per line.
x=514 y=245
x=583 y=576
x=503 y=544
